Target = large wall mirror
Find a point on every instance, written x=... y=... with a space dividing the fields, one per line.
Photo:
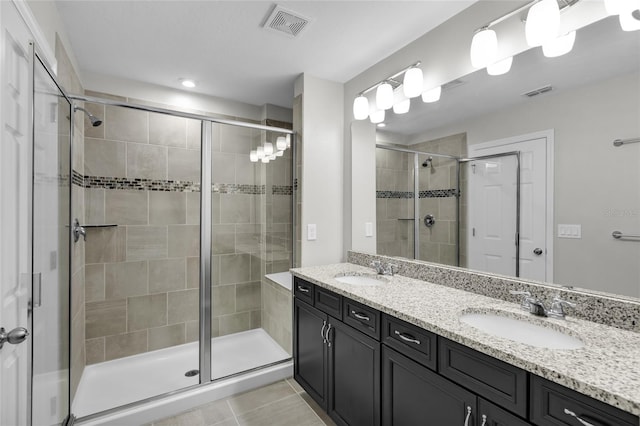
x=447 y=172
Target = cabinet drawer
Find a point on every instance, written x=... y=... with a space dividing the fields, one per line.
x=492 y=415
x=418 y=344
x=303 y=290
x=328 y=302
x=362 y=318
x=552 y=405
x=502 y=383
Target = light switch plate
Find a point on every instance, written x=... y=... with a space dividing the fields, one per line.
x=311 y=232
x=569 y=231
x=368 y=229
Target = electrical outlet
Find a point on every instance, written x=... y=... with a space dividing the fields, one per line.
x=368 y=229
x=311 y=232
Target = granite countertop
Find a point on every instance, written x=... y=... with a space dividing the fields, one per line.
x=607 y=368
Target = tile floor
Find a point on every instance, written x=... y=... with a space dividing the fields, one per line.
x=282 y=403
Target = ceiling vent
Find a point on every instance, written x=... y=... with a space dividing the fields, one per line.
x=285 y=21
x=537 y=92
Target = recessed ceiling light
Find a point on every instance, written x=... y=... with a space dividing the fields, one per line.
x=382 y=125
x=188 y=83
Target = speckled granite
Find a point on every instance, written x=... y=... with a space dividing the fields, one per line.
x=607 y=368
x=602 y=308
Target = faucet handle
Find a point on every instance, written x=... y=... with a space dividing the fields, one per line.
x=557 y=307
x=391 y=269
x=377 y=265
x=526 y=297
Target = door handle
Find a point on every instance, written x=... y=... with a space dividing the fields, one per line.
x=14 y=337
x=537 y=251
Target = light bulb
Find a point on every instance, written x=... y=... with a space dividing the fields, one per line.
x=432 y=95
x=288 y=137
x=377 y=117
x=543 y=22
x=260 y=152
x=268 y=149
x=500 y=67
x=384 y=96
x=402 y=107
x=279 y=153
x=484 y=48
x=265 y=160
x=628 y=20
x=360 y=107
x=281 y=143
x=253 y=156
x=559 y=46
x=412 y=83
x=272 y=157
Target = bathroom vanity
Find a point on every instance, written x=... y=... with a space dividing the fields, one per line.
x=392 y=350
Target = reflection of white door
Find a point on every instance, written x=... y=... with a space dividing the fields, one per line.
x=492 y=207
x=15 y=182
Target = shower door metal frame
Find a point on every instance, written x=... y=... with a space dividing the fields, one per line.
x=205 y=270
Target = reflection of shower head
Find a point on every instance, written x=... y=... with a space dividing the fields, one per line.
x=427 y=162
x=95 y=121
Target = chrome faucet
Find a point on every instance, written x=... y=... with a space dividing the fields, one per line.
x=384 y=268
x=536 y=307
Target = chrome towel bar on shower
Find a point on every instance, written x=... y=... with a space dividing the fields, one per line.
x=619 y=235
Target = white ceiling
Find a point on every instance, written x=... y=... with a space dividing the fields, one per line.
x=222 y=45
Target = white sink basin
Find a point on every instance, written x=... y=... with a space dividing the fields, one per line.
x=362 y=280
x=521 y=331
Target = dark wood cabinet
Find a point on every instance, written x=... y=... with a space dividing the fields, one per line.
x=354 y=377
x=414 y=395
x=491 y=415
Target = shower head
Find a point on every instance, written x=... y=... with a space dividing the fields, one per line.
x=95 y=121
x=427 y=162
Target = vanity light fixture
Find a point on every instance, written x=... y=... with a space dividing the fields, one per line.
x=432 y=95
x=260 y=152
x=630 y=19
x=188 y=83
x=501 y=67
x=381 y=125
x=281 y=143
x=384 y=96
x=265 y=160
x=543 y=22
x=412 y=83
x=268 y=149
x=484 y=47
x=402 y=107
x=377 y=116
x=385 y=92
x=617 y=7
x=279 y=153
x=559 y=46
x=288 y=139
x=253 y=156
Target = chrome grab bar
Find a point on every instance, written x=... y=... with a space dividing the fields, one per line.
x=619 y=235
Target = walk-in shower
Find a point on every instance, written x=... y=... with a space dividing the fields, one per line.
x=177 y=230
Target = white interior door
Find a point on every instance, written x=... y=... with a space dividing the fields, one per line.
x=15 y=227
x=492 y=208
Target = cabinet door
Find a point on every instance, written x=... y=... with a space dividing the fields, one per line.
x=414 y=395
x=309 y=351
x=354 y=377
x=492 y=415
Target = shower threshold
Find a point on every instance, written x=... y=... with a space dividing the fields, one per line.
x=111 y=384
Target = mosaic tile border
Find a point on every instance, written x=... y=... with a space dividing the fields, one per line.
x=608 y=309
x=433 y=193
x=101 y=182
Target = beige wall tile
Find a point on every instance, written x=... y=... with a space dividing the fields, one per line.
x=193 y=272
x=126 y=124
x=256 y=319
x=236 y=139
x=106 y=318
x=192 y=330
x=184 y=165
x=248 y=238
x=183 y=306
x=245 y=170
x=224 y=300
x=223 y=168
x=215 y=270
x=235 y=323
x=193 y=208
x=167 y=208
x=167 y=275
x=215 y=208
x=146 y=161
x=146 y=242
x=248 y=297
x=94 y=283
x=223 y=240
x=184 y=240
x=256 y=268
x=146 y=311
x=235 y=268
x=127 y=344
x=125 y=279
x=235 y=208
x=126 y=207
x=193 y=133
x=281 y=210
x=163 y=337
x=104 y=158
x=94 y=206
x=106 y=245
x=167 y=130
x=94 y=350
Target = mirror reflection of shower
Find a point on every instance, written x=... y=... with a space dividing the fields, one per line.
x=95 y=121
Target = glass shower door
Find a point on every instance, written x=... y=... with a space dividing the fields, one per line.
x=51 y=243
